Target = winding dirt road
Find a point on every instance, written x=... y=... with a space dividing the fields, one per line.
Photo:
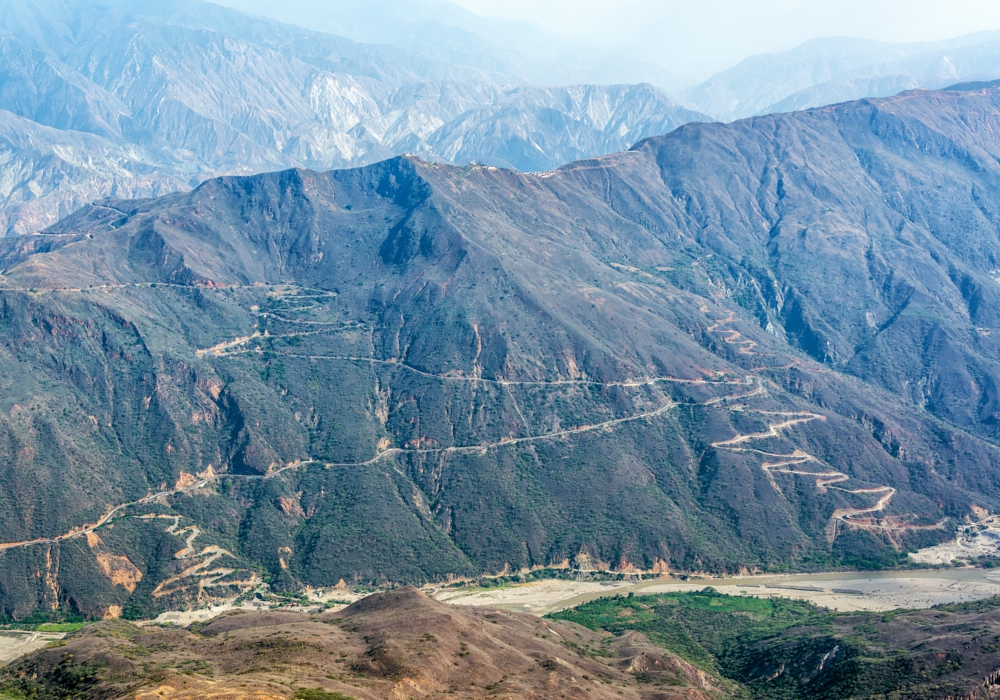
x=212 y=554
x=825 y=480
x=788 y=464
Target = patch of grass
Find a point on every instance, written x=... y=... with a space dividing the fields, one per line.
x=67 y=627
x=698 y=626
x=779 y=649
x=319 y=694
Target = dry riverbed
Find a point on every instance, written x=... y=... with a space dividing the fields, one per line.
x=840 y=591
x=318 y=599
x=14 y=644
x=979 y=537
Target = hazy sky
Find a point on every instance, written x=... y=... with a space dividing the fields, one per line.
x=699 y=37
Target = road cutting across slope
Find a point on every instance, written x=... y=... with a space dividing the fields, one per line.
x=227 y=347
x=452 y=377
x=210 y=554
x=789 y=464
x=206 y=578
x=283 y=290
x=203 y=577
x=825 y=480
x=730 y=335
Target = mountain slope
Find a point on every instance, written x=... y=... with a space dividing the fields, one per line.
x=527 y=128
x=733 y=347
x=48 y=173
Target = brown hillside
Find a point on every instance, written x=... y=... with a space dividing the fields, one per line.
x=397 y=645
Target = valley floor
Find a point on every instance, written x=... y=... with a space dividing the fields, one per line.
x=845 y=592
x=840 y=591
x=14 y=644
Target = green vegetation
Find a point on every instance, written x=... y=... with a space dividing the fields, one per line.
x=66 y=627
x=550 y=573
x=66 y=681
x=47 y=621
x=319 y=694
x=703 y=628
x=778 y=649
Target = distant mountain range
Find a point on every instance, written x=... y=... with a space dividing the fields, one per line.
x=445 y=31
x=819 y=72
x=134 y=99
x=827 y=71
x=757 y=345
x=121 y=98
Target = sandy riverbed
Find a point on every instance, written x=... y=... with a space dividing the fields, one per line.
x=324 y=597
x=979 y=537
x=15 y=644
x=840 y=591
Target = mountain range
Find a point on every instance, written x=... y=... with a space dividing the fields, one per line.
x=130 y=99
x=832 y=70
x=446 y=31
x=125 y=99
x=734 y=347
x=819 y=72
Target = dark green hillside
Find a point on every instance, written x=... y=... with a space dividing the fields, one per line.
x=789 y=650
x=758 y=345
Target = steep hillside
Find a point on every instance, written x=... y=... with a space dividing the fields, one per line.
x=757 y=345
x=184 y=90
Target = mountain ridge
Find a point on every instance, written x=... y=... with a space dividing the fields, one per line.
x=195 y=90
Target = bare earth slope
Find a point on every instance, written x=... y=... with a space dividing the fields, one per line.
x=736 y=346
x=392 y=645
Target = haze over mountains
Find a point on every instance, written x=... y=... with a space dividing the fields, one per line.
x=819 y=72
x=446 y=31
x=827 y=71
x=149 y=99
x=126 y=99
